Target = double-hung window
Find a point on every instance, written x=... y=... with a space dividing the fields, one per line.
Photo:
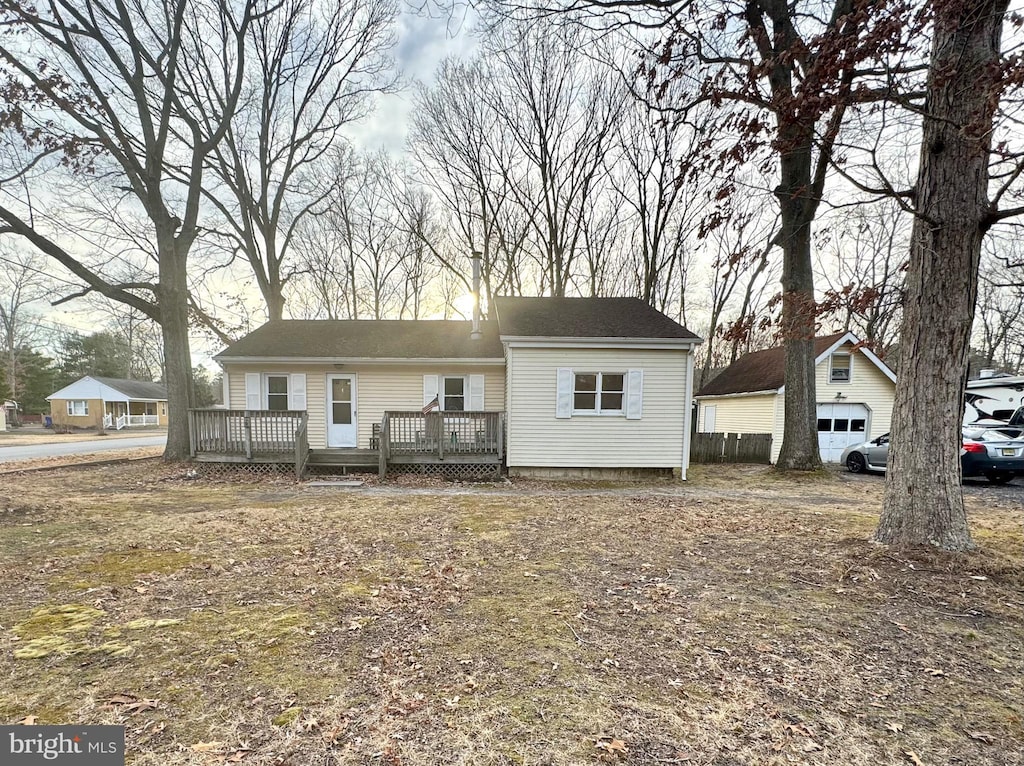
x=78 y=407
x=453 y=398
x=840 y=368
x=598 y=392
x=277 y=392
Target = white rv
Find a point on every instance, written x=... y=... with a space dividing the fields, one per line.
x=993 y=398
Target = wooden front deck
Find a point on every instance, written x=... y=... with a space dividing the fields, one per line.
x=401 y=438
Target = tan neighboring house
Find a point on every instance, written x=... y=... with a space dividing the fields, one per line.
x=111 y=403
x=855 y=391
x=578 y=385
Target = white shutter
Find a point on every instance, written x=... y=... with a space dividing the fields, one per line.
x=634 y=394
x=475 y=403
x=297 y=391
x=252 y=391
x=429 y=389
x=563 y=403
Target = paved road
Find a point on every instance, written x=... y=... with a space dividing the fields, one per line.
x=34 y=451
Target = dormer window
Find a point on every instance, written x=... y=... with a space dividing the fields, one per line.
x=841 y=368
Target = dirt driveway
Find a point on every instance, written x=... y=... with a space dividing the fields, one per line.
x=740 y=619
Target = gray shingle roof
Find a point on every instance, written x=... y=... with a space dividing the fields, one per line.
x=759 y=370
x=585 y=318
x=367 y=339
x=135 y=389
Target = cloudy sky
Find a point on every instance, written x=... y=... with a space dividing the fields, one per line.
x=423 y=40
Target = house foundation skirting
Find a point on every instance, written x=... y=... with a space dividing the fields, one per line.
x=546 y=472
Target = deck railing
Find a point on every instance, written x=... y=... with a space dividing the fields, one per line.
x=143 y=420
x=444 y=433
x=246 y=432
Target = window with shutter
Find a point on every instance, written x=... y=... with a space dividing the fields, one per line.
x=598 y=393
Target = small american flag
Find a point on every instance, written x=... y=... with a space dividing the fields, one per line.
x=430 y=406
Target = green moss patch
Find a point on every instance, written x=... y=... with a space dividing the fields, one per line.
x=124 y=567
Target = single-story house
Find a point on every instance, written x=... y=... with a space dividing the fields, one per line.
x=855 y=391
x=98 y=402
x=582 y=385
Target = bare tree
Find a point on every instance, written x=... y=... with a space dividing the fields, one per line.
x=655 y=175
x=421 y=236
x=952 y=212
x=124 y=92
x=312 y=68
x=24 y=284
x=461 y=155
x=865 y=278
x=999 y=319
x=740 y=269
x=561 y=111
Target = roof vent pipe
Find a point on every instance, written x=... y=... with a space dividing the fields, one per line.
x=987 y=374
x=475 y=260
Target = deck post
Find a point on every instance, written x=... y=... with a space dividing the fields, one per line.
x=192 y=425
x=247 y=425
x=440 y=436
x=382 y=448
x=501 y=438
x=301 y=447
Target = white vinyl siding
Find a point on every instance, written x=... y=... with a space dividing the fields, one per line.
x=378 y=387
x=738 y=414
x=539 y=436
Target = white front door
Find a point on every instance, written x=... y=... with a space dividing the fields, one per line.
x=341 y=410
x=839 y=426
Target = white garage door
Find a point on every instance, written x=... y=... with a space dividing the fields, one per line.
x=839 y=426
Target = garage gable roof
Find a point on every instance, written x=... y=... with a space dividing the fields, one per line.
x=761 y=371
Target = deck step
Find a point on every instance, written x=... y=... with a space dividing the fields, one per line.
x=344 y=458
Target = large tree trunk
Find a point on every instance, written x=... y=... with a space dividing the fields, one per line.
x=173 y=299
x=923 y=499
x=800 y=436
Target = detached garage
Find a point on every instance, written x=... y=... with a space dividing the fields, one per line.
x=855 y=395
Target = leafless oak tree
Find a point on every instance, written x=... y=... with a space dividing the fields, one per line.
x=126 y=90
x=311 y=68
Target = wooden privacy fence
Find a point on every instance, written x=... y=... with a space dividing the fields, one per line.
x=730 y=448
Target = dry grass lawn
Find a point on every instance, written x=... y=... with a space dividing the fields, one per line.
x=740 y=619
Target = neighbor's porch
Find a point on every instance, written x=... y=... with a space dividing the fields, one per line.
x=402 y=438
x=130 y=414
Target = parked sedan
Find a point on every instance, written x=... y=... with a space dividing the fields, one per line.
x=984 y=452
